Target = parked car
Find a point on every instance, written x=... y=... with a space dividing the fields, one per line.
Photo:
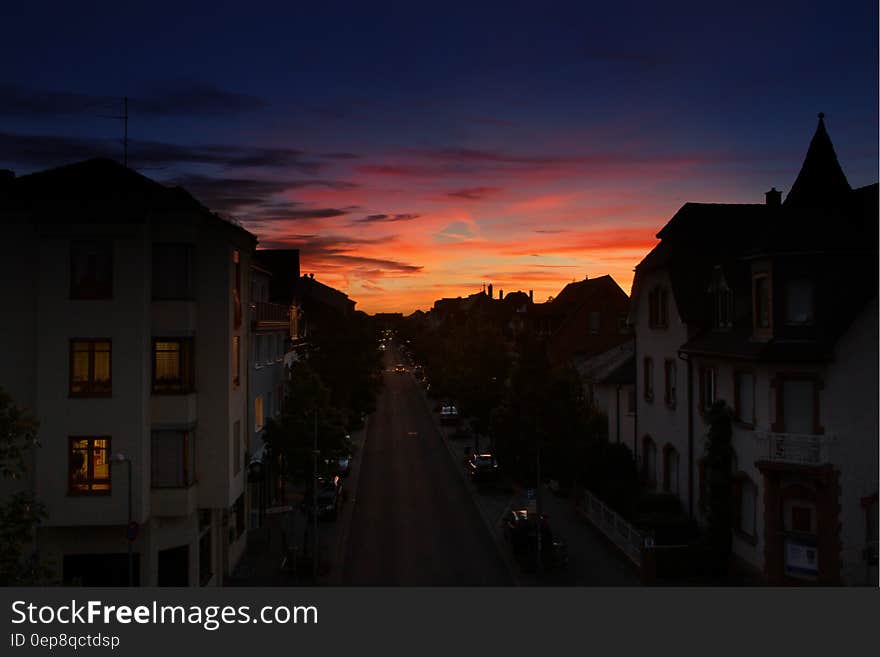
x=343 y=465
x=482 y=467
x=449 y=415
x=520 y=530
x=400 y=368
x=330 y=498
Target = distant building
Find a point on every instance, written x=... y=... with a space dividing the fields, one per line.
x=127 y=323
x=773 y=309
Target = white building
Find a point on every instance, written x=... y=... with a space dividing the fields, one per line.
x=773 y=309
x=128 y=320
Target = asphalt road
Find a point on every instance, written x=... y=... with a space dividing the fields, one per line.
x=414 y=522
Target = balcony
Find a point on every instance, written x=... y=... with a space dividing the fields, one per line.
x=794 y=448
x=270 y=315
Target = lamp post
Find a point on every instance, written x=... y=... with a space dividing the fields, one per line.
x=119 y=458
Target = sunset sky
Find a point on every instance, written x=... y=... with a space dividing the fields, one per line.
x=419 y=150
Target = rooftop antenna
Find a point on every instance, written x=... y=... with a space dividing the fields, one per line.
x=124 y=117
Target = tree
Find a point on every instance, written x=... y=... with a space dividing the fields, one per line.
x=291 y=435
x=20 y=513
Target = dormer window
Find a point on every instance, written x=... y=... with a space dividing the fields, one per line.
x=761 y=301
x=658 y=313
x=799 y=302
x=723 y=298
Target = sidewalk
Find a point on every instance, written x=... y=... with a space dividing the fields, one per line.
x=289 y=534
x=591 y=561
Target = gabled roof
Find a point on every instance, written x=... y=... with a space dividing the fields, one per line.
x=821 y=181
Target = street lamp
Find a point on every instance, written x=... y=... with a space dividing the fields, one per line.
x=119 y=458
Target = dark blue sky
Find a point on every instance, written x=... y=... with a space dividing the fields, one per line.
x=463 y=126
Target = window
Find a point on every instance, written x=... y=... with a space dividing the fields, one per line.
x=708 y=389
x=744 y=397
x=594 y=322
x=723 y=308
x=658 y=314
x=173 y=271
x=90 y=371
x=91 y=270
x=631 y=400
x=239 y=516
x=670 y=383
x=648 y=373
x=670 y=470
x=745 y=505
x=797 y=405
x=236 y=287
x=258 y=412
x=236 y=446
x=761 y=297
x=621 y=323
x=799 y=303
x=89 y=466
x=173 y=365
x=172 y=459
x=236 y=360
x=649 y=462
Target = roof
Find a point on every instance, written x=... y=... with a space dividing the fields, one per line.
x=821 y=180
x=104 y=186
x=623 y=374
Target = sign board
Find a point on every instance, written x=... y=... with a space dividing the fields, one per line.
x=801 y=558
x=530 y=494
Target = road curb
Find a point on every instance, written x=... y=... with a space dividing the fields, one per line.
x=490 y=526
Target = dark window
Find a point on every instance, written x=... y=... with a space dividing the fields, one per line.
x=649 y=462
x=670 y=382
x=173 y=271
x=797 y=405
x=744 y=397
x=802 y=519
x=239 y=516
x=236 y=447
x=761 y=293
x=205 y=557
x=173 y=459
x=648 y=373
x=799 y=303
x=724 y=308
x=670 y=470
x=658 y=313
x=236 y=360
x=594 y=322
x=631 y=400
x=173 y=365
x=745 y=504
x=90 y=371
x=621 y=323
x=88 y=467
x=91 y=270
x=708 y=387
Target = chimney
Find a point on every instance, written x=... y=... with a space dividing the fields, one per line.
x=773 y=198
x=490 y=291
x=501 y=295
x=586 y=277
x=531 y=296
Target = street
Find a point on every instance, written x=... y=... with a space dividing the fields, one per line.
x=413 y=522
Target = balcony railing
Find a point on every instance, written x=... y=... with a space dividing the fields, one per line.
x=263 y=311
x=796 y=448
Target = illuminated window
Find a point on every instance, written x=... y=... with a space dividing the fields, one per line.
x=258 y=412
x=173 y=366
x=91 y=270
x=89 y=466
x=90 y=372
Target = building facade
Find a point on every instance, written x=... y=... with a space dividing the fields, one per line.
x=130 y=325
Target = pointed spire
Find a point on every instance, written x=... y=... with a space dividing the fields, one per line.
x=821 y=181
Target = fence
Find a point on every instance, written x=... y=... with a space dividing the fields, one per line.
x=615 y=528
